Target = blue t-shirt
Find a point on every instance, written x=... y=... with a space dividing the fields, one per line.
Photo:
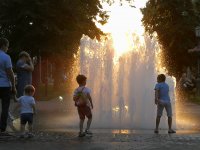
x=163 y=89
x=24 y=77
x=22 y=74
x=5 y=63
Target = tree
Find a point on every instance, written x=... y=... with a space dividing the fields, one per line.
x=174 y=22
x=50 y=28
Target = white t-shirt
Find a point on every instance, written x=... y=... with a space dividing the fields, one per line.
x=86 y=91
x=26 y=104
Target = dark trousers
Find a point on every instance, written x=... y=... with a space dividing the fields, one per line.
x=5 y=95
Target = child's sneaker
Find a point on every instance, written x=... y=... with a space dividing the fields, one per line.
x=156 y=131
x=88 y=132
x=171 y=131
x=81 y=134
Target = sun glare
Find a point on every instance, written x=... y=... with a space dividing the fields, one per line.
x=123 y=22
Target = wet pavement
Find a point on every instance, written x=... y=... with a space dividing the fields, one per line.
x=102 y=141
x=55 y=130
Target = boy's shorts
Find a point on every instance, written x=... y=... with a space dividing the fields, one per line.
x=26 y=117
x=168 y=108
x=84 y=111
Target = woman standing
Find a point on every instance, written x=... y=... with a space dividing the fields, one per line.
x=25 y=68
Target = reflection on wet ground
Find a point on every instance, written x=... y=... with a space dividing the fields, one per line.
x=56 y=115
x=188 y=116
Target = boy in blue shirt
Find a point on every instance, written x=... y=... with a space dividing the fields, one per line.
x=162 y=100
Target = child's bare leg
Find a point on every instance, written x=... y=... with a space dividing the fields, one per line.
x=170 y=125
x=30 y=128
x=157 y=122
x=22 y=129
x=170 y=122
x=81 y=125
x=89 y=123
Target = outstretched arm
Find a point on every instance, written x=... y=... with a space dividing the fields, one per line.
x=16 y=108
x=29 y=66
x=11 y=77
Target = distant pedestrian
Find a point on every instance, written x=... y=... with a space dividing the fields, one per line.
x=185 y=83
x=83 y=102
x=162 y=100
x=25 y=68
x=7 y=83
x=27 y=109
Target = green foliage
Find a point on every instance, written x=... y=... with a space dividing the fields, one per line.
x=48 y=26
x=174 y=21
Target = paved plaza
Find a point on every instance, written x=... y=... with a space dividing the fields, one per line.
x=53 y=132
x=102 y=140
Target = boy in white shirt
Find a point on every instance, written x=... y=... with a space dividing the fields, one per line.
x=83 y=102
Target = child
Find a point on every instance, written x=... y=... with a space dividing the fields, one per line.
x=162 y=100
x=27 y=109
x=84 y=109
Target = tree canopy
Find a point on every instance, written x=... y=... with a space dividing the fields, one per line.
x=49 y=26
x=174 y=21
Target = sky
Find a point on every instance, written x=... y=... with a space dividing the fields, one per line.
x=124 y=18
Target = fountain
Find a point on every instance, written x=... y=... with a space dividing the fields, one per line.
x=123 y=87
